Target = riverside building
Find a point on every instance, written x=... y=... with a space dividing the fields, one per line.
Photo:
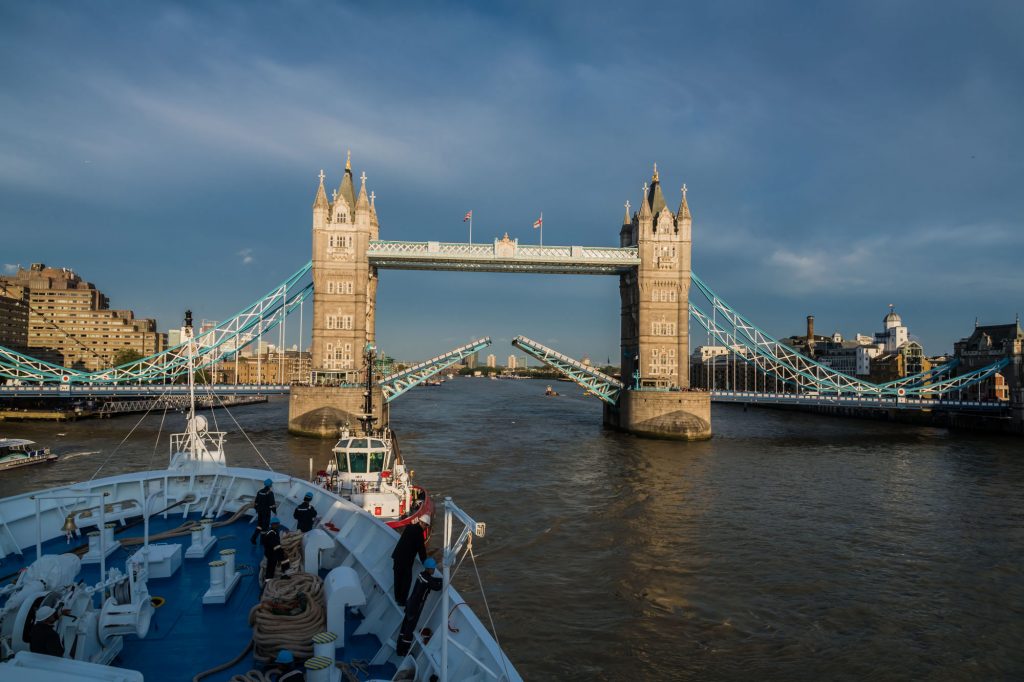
x=13 y=317
x=72 y=318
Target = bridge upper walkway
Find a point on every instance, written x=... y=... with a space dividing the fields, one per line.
x=503 y=256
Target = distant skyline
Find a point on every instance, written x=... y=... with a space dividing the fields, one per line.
x=839 y=158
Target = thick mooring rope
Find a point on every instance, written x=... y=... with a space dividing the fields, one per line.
x=290 y=612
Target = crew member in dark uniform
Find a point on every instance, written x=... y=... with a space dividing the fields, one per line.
x=426 y=582
x=273 y=550
x=409 y=545
x=305 y=514
x=265 y=505
x=43 y=639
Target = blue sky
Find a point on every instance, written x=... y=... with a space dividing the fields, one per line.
x=839 y=156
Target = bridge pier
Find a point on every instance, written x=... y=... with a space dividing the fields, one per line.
x=673 y=415
x=322 y=411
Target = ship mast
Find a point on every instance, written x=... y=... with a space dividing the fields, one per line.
x=368 y=419
x=193 y=435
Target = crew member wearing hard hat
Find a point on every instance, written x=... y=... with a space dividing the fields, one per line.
x=265 y=505
x=43 y=639
x=289 y=668
x=273 y=550
x=409 y=545
x=426 y=582
x=305 y=514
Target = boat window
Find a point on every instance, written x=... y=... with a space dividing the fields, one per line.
x=374 y=443
x=376 y=462
x=359 y=443
x=357 y=460
x=342 y=462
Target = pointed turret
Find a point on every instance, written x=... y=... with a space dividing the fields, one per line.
x=321 y=194
x=626 y=231
x=320 y=205
x=657 y=199
x=346 y=189
x=683 y=218
x=684 y=208
x=645 y=205
x=373 y=211
x=363 y=201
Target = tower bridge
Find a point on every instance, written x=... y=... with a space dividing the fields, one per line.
x=652 y=262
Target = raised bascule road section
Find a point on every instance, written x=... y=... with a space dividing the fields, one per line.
x=652 y=398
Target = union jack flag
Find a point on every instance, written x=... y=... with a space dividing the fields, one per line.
x=469 y=216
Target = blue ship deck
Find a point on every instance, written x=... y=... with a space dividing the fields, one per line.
x=187 y=637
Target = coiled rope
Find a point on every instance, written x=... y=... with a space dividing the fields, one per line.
x=290 y=612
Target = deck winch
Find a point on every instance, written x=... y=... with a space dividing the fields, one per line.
x=87 y=633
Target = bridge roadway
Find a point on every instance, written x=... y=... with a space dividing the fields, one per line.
x=752 y=398
x=85 y=391
x=503 y=255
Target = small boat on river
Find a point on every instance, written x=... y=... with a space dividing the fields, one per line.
x=18 y=452
x=368 y=471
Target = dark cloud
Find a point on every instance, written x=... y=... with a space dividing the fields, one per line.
x=839 y=157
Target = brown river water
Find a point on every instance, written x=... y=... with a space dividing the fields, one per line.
x=790 y=546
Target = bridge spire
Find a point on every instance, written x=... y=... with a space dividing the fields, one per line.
x=627 y=220
x=657 y=198
x=684 y=208
x=645 y=205
x=363 y=202
x=321 y=194
x=346 y=190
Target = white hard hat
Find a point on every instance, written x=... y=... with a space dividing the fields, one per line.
x=44 y=612
x=425 y=519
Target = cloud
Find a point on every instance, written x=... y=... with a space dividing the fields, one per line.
x=10 y=268
x=246 y=255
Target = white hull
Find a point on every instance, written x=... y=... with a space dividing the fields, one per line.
x=361 y=542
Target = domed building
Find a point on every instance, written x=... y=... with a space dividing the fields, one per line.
x=897 y=356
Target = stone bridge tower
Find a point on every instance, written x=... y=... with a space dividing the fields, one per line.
x=655 y=324
x=344 y=302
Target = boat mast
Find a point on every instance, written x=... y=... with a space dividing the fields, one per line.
x=193 y=436
x=368 y=419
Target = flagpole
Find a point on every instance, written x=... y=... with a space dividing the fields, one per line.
x=470 y=227
x=542 y=228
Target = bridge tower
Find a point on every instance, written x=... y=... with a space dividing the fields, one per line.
x=344 y=310
x=655 y=324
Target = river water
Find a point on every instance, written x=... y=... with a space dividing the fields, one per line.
x=790 y=546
